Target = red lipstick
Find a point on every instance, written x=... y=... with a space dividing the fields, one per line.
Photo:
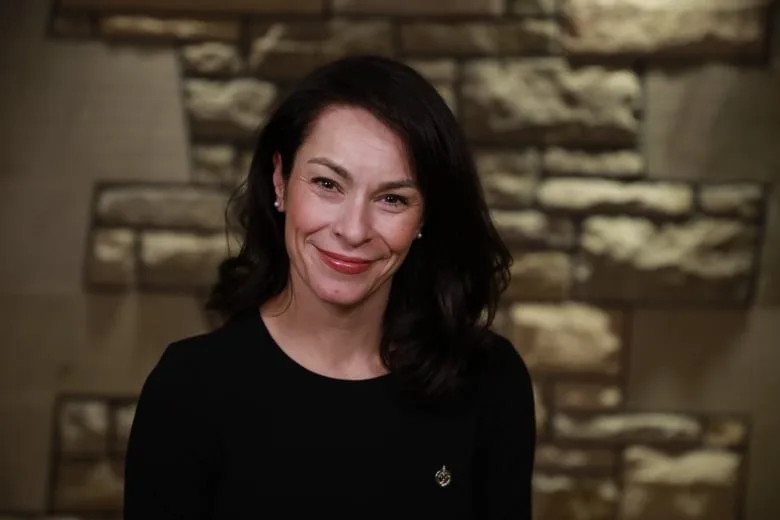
x=344 y=264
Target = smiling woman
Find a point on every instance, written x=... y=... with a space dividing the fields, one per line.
x=342 y=223
x=355 y=375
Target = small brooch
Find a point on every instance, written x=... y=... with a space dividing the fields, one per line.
x=443 y=477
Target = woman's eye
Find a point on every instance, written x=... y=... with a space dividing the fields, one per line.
x=324 y=183
x=395 y=200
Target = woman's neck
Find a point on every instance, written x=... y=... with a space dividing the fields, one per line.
x=325 y=338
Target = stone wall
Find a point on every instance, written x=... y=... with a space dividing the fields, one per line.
x=553 y=96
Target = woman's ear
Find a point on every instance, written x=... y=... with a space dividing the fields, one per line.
x=278 y=180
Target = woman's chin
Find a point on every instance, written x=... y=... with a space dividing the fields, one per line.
x=338 y=294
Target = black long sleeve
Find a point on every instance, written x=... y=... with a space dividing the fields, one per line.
x=507 y=442
x=171 y=454
x=228 y=427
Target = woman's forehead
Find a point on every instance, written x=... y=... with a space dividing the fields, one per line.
x=356 y=141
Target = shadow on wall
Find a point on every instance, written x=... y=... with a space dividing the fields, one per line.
x=682 y=349
x=724 y=125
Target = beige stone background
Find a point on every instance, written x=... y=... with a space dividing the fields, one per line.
x=78 y=113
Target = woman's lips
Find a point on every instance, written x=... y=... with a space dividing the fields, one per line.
x=344 y=264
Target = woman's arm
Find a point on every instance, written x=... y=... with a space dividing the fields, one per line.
x=507 y=440
x=170 y=461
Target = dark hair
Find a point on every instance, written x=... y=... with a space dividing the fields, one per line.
x=444 y=296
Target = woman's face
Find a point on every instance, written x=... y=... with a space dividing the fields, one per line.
x=352 y=207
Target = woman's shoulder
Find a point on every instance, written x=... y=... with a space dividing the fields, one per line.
x=214 y=351
x=498 y=353
x=500 y=366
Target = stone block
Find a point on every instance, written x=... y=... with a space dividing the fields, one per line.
x=530 y=36
x=701 y=484
x=573 y=395
x=191 y=207
x=139 y=27
x=644 y=465
x=214 y=164
x=180 y=260
x=415 y=7
x=643 y=427
x=211 y=58
x=618 y=164
x=230 y=109
x=701 y=29
x=88 y=486
x=733 y=200
x=508 y=179
x=725 y=432
x=83 y=427
x=544 y=100
x=289 y=50
x=111 y=258
x=504 y=188
x=531 y=228
x=560 y=497
x=208 y=6
x=699 y=261
x=568 y=338
x=540 y=275
x=558 y=459
x=608 y=196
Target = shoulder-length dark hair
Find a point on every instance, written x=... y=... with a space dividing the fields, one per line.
x=445 y=294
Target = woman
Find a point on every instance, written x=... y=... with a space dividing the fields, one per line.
x=355 y=375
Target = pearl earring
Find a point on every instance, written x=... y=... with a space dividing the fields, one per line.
x=419 y=234
x=276 y=204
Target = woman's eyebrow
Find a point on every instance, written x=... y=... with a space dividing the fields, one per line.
x=344 y=174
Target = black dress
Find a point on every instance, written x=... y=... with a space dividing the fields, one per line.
x=229 y=427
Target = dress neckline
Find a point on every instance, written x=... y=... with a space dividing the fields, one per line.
x=293 y=365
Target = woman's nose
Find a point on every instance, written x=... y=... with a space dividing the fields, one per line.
x=352 y=223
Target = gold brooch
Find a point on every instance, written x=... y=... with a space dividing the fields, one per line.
x=443 y=477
